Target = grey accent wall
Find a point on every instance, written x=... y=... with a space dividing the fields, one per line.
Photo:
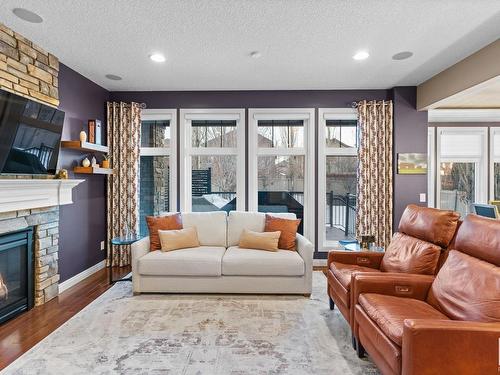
x=82 y=224
x=410 y=136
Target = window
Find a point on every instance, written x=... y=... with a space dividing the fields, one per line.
x=495 y=163
x=157 y=167
x=337 y=180
x=281 y=165
x=461 y=168
x=212 y=160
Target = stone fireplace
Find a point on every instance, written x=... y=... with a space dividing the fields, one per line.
x=34 y=203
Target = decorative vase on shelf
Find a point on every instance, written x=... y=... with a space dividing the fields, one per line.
x=86 y=162
x=83 y=136
x=93 y=161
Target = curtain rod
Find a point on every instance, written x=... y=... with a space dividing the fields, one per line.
x=371 y=102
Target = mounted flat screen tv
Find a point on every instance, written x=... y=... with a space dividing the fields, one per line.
x=30 y=135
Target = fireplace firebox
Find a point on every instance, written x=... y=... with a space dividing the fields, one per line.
x=16 y=273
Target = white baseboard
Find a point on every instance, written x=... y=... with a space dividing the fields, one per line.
x=81 y=276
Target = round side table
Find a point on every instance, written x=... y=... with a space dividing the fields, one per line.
x=119 y=242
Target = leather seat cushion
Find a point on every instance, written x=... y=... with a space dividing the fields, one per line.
x=196 y=261
x=389 y=313
x=343 y=272
x=252 y=262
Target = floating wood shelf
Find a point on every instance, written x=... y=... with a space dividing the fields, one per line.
x=93 y=170
x=85 y=146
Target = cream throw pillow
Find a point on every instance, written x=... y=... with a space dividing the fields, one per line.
x=178 y=239
x=260 y=240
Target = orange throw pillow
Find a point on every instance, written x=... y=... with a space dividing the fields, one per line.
x=156 y=223
x=287 y=227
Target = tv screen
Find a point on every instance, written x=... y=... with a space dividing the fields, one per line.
x=30 y=135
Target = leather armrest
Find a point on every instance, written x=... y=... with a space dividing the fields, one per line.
x=392 y=284
x=450 y=347
x=369 y=259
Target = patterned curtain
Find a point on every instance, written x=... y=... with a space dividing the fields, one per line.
x=374 y=196
x=124 y=122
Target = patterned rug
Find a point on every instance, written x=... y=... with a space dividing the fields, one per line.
x=120 y=333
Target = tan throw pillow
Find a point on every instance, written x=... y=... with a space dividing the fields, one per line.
x=287 y=227
x=178 y=239
x=259 y=240
x=156 y=223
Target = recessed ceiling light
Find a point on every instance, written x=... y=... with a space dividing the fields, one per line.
x=27 y=15
x=361 y=55
x=113 y=77
x=157 y=57
x=402 y=55
x=255 y=54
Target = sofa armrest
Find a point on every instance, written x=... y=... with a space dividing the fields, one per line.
x=138 y=249
x=369 y=259
x=450 y=347
x=306 y=250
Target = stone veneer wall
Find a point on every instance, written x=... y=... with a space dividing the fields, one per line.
x=27 y=69
x=45 y=223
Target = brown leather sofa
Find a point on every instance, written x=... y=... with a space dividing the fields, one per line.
x=416 y=248
x=450 y=324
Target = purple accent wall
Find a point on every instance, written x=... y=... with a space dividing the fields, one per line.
x=410 y=136
x=82 y=224
x=249 y=99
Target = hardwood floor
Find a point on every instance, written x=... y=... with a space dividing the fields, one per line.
x=23 y=332
x=20 y=334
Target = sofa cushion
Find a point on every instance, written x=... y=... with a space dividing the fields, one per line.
x=288 y=229
x=467 y=288
x=254 y=221
x=410 y=255
x=178 y=239
x=343 y=272
x=429 y=224
x=253 y=262
x=389 y=313
x=197 y=261
x=171 y=221
x=259 y=240
x=211 y=226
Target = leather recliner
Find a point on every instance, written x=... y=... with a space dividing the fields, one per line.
x=417 y=247
x=450 y=324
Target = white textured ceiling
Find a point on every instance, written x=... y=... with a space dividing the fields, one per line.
x=305 y=44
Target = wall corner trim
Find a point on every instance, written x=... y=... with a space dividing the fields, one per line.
x=81 y=276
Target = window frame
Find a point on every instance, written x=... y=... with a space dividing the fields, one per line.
x=307 y=115
x=481 y=172
x=325 y=114
x=171 y=152
x=492 y=160
x=187 y=151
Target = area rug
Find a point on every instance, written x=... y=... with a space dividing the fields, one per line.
x=120 y=333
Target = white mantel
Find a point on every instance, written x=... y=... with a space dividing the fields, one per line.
x=24 y=194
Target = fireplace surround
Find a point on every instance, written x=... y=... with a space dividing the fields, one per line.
x=16 y=273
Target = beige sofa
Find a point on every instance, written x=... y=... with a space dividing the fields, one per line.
x=218 y=265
